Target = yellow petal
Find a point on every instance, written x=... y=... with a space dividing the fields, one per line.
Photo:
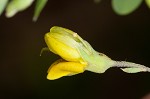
x=56 y=62
x=59 y=69
x=66 y=52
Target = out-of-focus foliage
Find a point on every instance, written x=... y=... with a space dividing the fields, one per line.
x=148 y=3
x=2 y=5
x=15 y=6
x=124 y=7
x=38 y=8
x=120 y=7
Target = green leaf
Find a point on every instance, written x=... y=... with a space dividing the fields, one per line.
x=38 y=8
x=148 y=3
x=133 y=70
x=125 y=7
x=3 y=4
x=15 y=6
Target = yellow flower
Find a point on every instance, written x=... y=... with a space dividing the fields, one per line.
x=64 y=43
x=78 y=56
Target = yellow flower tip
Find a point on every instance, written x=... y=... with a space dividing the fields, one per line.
x=54 y=75
x=62 y=68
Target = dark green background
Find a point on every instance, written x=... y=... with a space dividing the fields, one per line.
x=23 y=72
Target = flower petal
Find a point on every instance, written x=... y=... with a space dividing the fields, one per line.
x=62 y=68
x=66 y=52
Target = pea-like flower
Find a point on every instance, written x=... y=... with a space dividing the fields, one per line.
x=65 y=43
x=78 y=55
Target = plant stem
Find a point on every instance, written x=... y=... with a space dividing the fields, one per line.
x=131 y=65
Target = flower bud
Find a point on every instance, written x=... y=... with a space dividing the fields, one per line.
x=77 y=53
x=64 y=43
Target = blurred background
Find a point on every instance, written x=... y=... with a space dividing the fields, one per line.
x=23 y=72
